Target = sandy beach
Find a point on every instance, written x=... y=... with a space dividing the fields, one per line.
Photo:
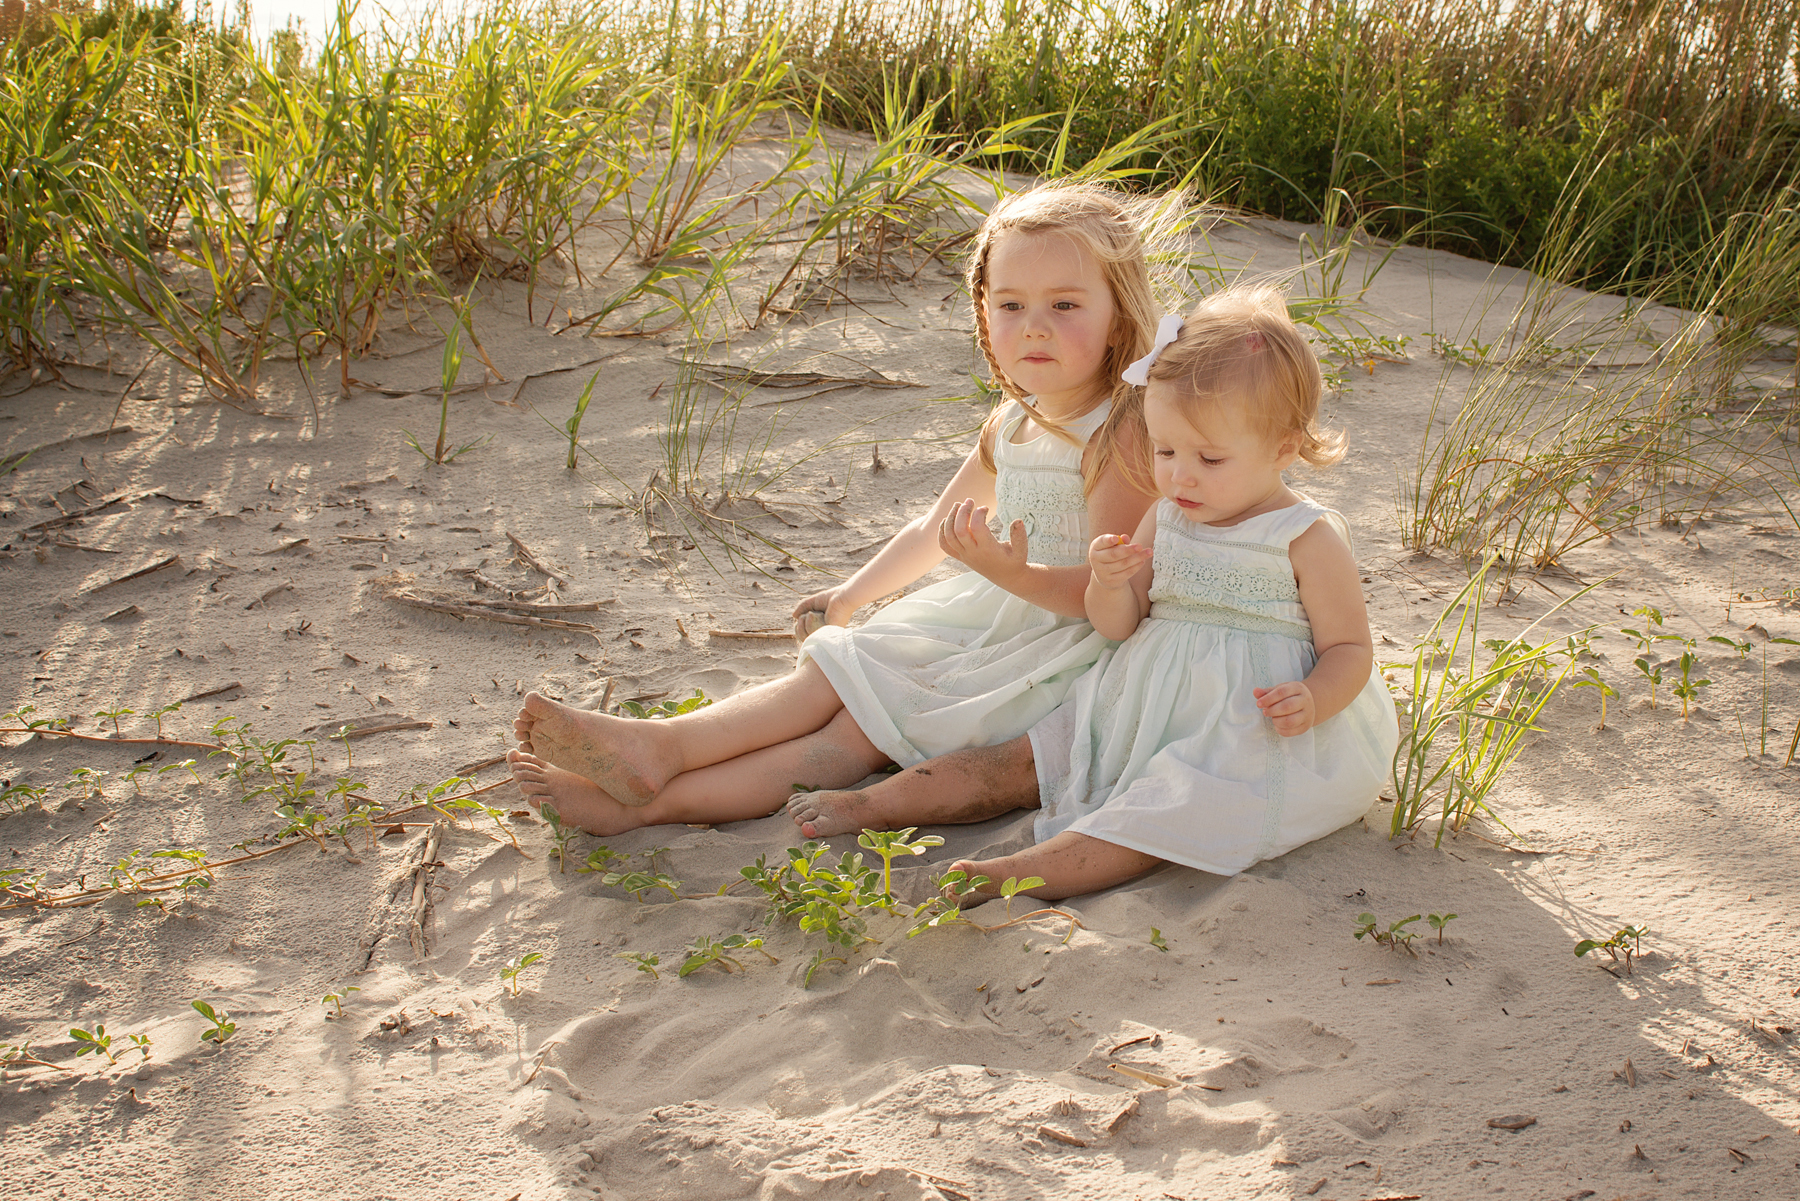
x=1185 y=1036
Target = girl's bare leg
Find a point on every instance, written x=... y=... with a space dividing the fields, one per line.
x=964 y=786
x=1070 y=864
x=632 y=761
x=756 y=784
x=750 y=786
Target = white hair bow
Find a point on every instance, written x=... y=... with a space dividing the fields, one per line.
x=1167 y=330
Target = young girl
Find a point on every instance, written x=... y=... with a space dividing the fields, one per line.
x=1242 y=716
x=1062 y=302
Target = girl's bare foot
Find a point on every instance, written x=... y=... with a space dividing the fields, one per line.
x=577 y=800
x=971 y=868
x=623 y=757
x=826 y=812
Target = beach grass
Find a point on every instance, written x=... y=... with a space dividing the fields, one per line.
x=313 y=186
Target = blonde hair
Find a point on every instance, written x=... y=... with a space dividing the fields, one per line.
x=1240 y=346
x=1109 y=226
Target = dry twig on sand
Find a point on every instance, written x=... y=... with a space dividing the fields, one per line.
x=421 y=885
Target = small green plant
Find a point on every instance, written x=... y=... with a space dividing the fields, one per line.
x=1689 y=688
x=668 y=708
x=574 y=426
x=452 y=368
x=1463 y=722
x=1396 y=937
x=1437 y=921
x=197 y=881
x=302 y=821
x=222 y=1026
x=645 y=961
x=185 y=764
x=638 y=883
x=132 y=775
x=1625 y=943
x=1013 y=886
x=336 y=999
x=892 y=843
x=94 y=1042
x=1651 y=673
x=1470 y=354
x=1591 y=679
x=509 y=974
x=87 y=784
x=19 y=797
x=156 y=715
x=559 y=834
x=703 y=951
x=1156 y=940
x=113 y=715
x=126 y=875
x=598 y=858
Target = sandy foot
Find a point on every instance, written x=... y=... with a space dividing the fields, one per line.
x=615 y=753
x=835 y=811
x=578 y=801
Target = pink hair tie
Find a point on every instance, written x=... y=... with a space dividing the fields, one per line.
x=1254 y=340
x=1167 y=330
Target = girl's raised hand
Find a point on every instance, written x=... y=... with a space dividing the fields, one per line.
x=1290 y=706
x=965 y=537
x=1115 y=558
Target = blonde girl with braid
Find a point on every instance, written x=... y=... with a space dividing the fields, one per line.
x=1063 y=302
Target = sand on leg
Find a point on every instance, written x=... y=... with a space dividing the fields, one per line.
x=633 y=760
x=756 y=784
x=1070 y=865
x=578 y=801
x=964 y=786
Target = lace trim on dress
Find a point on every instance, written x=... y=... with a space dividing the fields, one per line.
x=1229 y=618
x=1186 y=579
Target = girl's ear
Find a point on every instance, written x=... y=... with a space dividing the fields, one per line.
x=1287 y=451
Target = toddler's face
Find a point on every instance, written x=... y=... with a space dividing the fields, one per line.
x=1050 y=316
x=1221 y=471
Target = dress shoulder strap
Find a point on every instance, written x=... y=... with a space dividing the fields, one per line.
x=1291 y=522
x=1083 y=427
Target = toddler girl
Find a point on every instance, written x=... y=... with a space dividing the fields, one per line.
x=1242 y=716
x=1062 y=302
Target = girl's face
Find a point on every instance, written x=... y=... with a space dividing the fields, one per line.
x=1050 y=318
x=1221 y=471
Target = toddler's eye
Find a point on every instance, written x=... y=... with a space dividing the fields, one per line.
x=1211 y=462
x=1065 y=305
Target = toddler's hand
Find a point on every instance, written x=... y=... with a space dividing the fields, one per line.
x=965 y=537
x=1289 y=706
x=828 y=608
x=1115 y=558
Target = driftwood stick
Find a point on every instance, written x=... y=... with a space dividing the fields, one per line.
x=210 y=746
x=89 y=896
x=769 y=635
x=389 y=728
x=462 y=610
x=234 y=686
x=77 y=515
x=421 y=886
x=519 y=606
x=142 y=571
x=532 y=561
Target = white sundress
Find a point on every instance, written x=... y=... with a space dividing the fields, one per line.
x=1162 y=748
x=964 y=662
